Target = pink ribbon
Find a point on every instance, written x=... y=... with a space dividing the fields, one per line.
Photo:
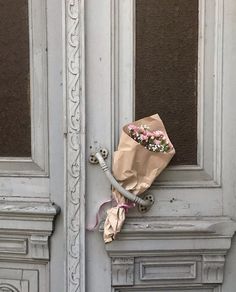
x=98 y=215
x=125 y=206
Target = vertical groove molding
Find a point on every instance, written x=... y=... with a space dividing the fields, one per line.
x=75 y=145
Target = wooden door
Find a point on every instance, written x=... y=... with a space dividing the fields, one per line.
x=176 y=58
x=32 y=146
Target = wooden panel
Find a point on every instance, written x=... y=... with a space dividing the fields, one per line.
x=13 y=246
x=14 y=79
x=22 y=277
x=166 y=70
x=167 y=270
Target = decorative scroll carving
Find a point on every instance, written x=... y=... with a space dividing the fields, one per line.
x=74 y=200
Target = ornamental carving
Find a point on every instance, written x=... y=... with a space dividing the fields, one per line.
x=74 y=196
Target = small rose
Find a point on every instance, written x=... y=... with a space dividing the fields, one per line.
x=157 y=142
x=132 y=127
x=144 y=137
x=158 y=134
x=149 y=134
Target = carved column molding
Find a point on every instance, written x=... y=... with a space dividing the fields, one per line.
x=213 y=269
x=39 y=247
x=74 y=137
x=123 y=271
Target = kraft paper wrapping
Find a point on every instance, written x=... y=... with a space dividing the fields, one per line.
x=135 y=168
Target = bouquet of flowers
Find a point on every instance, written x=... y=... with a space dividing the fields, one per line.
x=143 y=152
x=155 y=141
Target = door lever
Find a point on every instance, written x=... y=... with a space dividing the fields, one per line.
x=144 y=204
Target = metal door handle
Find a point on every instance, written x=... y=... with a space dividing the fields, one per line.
x=144 y=204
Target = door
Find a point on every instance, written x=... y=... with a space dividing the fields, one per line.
x=176 y=58
x=32 y=145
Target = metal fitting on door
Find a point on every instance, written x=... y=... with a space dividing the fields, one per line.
x=144 y=203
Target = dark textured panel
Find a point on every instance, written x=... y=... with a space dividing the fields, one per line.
x=166 y=70
x=15 y=137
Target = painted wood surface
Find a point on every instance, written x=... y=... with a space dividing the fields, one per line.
x=185 y=252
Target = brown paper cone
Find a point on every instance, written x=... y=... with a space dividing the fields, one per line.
x=135 y=168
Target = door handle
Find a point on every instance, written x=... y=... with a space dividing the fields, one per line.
x=144 y=203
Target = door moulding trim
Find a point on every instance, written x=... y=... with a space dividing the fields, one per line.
x=74 y=106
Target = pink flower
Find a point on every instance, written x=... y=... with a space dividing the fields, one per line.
x=158 y=134
x=132 y=127
x=144 y=137
x=157 y=142
x=149 y=134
